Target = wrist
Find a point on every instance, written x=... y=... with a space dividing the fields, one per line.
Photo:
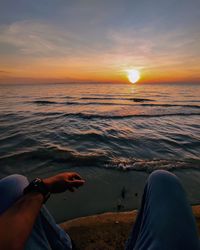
x=47 y=184
x=38 y=186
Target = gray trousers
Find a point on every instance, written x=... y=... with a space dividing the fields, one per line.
x=165 y=220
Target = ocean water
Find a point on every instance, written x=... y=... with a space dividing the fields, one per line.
x=111 y=132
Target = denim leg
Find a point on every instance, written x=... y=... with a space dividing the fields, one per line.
x=11 y=189
x=56 y=236
x=165 y=220
x=46 y=234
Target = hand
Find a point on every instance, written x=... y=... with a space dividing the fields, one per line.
x=64 y=181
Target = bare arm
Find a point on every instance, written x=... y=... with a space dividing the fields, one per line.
x=16 y=223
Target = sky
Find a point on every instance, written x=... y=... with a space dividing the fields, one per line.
x=99 y=40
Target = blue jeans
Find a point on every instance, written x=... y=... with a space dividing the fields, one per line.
x=165 y=220
x=46 y=234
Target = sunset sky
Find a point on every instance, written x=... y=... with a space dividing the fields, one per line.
x=98 y=40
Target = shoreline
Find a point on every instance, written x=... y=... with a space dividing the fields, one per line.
x=108 y=231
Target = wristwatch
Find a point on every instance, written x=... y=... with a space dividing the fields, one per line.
x=38 y=186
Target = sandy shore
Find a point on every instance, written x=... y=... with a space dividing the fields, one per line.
x=107 y=231
x=101 y=194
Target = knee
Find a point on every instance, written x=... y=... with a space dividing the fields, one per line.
x=11 y=189
x=164 y=188
x=17 y=180
x=163 y=178
x=13 y=184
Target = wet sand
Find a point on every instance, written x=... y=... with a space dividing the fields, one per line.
x=107 y=231
x=108 y=190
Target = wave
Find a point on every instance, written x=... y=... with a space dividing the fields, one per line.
x=98 y=103
x=100 y=116
x=95 y=116
x=170 y=105
x=44 y=102
x=134 y=105
x=151 y=165
x=141 y=100
x=118 y=98
x=57 y=154
x=99 y=159
x=189 y=101
x=43 y=114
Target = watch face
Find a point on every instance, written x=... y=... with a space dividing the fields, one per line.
x=37 y=181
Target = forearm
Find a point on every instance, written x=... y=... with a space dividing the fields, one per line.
x=16 y=223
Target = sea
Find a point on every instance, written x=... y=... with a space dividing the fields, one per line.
x=114 y=135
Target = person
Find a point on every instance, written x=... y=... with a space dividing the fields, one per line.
x=24 y=222
x=164 y=222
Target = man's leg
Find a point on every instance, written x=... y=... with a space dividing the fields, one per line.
x=11 y=188
x=45 y=234
x=165 y=220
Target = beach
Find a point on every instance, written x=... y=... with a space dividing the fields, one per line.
x=113 y=135
x=107 y=231
x=107 y=190
x=94 y=97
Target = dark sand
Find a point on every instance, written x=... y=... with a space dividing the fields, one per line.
x=107 y=231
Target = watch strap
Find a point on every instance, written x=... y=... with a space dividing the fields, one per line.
x=37 y=185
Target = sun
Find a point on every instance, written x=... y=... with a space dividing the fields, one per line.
x=133 y=75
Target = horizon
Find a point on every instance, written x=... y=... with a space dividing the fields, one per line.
x=92 y=41
x=94 y=82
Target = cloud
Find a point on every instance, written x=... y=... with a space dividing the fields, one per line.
x=39 y=39
x=4 y=72
x=44 y=48
x=148 y=48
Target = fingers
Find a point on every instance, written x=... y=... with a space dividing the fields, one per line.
x=76 y=183
x=75 y=176
x=64 y=181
